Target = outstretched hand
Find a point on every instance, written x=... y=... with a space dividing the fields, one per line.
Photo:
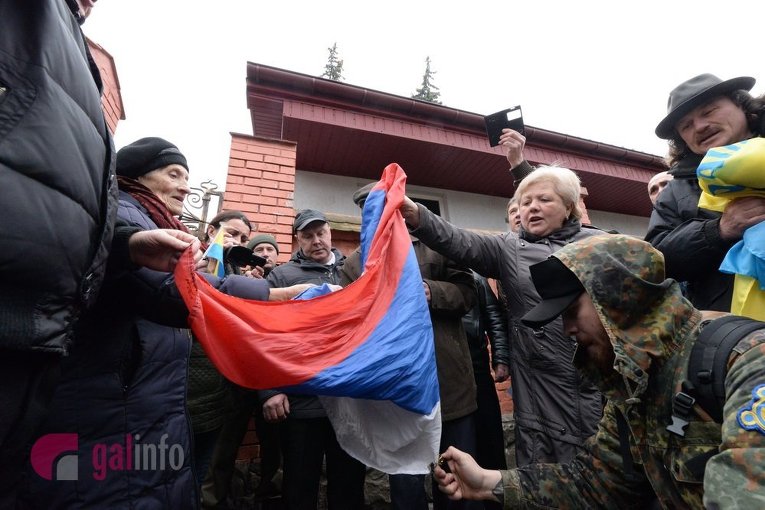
x=285 y=293
x=160 y=249
x=467 y=479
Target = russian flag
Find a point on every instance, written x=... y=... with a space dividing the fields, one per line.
x=366 y=350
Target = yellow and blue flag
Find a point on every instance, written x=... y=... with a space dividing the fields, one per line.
x=215 y=252
x=727 y=173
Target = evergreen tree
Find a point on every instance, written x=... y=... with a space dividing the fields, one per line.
x=334 y=68
x=428 y=91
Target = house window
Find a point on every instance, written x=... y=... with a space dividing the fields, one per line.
x=433 y=206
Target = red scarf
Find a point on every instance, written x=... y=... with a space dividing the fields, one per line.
x=158 y=211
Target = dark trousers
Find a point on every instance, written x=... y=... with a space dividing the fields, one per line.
x=217 y=482
x=460 y=433
x=407 y=492
x=490 y=440
x=27 y=382
x=204 y=445
x=305 y=443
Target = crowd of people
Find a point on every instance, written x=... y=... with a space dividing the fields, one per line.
x=592 y=328
x=660 y=442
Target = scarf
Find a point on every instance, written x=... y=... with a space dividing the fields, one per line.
x=157 y=210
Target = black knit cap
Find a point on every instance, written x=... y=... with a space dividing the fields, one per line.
x=147 y=154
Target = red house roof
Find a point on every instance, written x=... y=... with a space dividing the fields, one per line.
x=347 y=130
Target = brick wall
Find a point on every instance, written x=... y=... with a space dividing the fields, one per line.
x=111 y=99
x=261 y=183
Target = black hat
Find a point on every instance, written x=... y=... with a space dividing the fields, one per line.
x=557 y=286
x=147 y=154
x=695 y=92
x=263 y=239
x=306 y=216
x=361 y=194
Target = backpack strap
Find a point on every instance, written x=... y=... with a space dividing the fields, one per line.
x=708 y=363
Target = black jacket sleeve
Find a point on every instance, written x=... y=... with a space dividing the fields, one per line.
x=688 y=237
x=521 y=172
x=495 y=324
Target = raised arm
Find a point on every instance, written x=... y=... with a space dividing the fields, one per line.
x=483 y=253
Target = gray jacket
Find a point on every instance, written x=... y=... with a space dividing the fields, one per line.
x=555 y=411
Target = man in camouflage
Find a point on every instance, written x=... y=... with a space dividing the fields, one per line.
x=635 y=332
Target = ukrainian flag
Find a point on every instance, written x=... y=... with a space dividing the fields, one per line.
x=214 y=253
x=727 y=173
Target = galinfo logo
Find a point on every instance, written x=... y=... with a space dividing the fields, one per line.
x=57 y=456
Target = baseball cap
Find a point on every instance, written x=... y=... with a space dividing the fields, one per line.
x=557 y=286
x=306 y=216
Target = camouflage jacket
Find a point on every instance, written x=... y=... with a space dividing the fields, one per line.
x=652 y=329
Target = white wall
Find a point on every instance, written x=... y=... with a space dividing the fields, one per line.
x=623 y=223
x=332 y=194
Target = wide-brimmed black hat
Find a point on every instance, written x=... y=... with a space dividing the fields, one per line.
x=695 y=92
x=557 y=286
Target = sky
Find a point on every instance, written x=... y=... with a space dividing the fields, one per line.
x=600 y=70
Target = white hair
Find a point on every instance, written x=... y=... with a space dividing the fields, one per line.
x=565 y=183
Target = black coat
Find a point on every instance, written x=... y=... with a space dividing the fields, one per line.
x=57 y=186
x=124 y=383
x=486 y=319
x=689 y=238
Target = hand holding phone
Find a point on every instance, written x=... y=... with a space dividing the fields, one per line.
x=241 y=256
x=510 y=118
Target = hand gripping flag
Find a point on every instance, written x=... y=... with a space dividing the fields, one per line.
x=371 y=341
x=727 y=173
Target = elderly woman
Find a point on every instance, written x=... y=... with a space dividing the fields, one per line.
x=153 y=178
x=554 y=410
x=122 y=390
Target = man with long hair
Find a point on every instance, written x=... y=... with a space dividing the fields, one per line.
x=704 y=112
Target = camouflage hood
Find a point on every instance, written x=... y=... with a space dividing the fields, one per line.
x=645 y=316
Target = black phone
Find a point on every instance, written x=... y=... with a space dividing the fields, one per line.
x=241 y=256
x=510 y=118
